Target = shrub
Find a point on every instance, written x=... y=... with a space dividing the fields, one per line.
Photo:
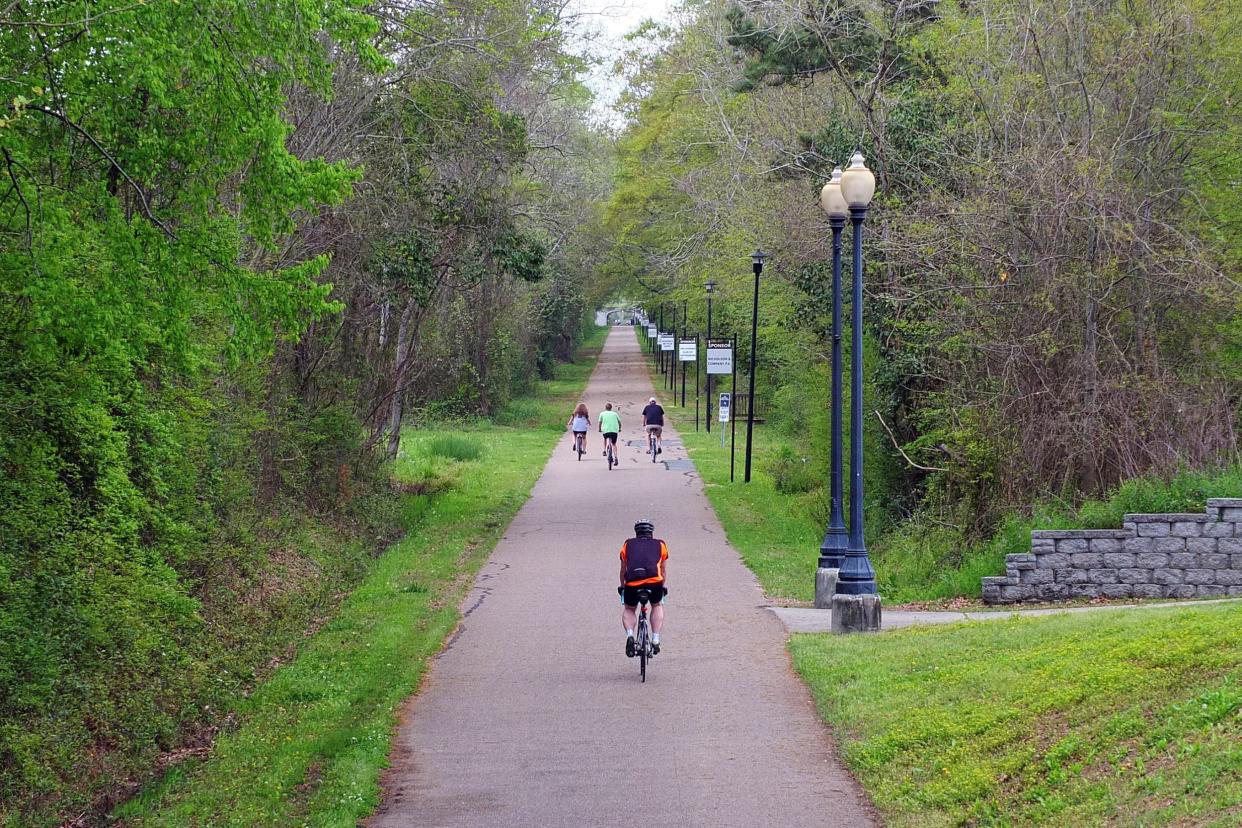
x=454 y=447
x=523 y=411
x=791 y=473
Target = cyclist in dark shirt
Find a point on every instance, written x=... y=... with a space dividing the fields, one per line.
x=653 y=423
x=644 y=565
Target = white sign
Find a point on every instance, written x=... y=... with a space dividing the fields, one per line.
x=725 y=401
x=651 y=331
x=666 y=342
x=688 y=350
x=719 y=356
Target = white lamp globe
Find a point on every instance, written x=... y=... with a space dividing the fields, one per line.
x=857 y=182
x=830 y=198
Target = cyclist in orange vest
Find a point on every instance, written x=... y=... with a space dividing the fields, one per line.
x=644 y=565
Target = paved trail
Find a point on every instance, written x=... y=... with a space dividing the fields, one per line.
x=534 y=716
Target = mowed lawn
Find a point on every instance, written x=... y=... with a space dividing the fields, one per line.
x=1117 y=717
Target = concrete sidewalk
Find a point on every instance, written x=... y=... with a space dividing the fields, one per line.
x=533 y=715
x=808 y=620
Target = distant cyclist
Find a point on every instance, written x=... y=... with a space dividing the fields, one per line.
x=653 y=423
x=644 y=565
x=580 y=424
x=610 y=427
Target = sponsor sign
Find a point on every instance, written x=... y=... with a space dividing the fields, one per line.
x=725 y=401
x=719 y=356
x=666 y=342
x=687 y=350
x=651 y=331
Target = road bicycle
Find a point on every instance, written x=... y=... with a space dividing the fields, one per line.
x=642 y=634
x=612 y=457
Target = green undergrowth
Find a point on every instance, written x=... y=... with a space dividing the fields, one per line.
x=307 y=746
x=1111 y=717
x=925 y=560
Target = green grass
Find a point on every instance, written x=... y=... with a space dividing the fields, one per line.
x=307 y=746
x=1105 y=718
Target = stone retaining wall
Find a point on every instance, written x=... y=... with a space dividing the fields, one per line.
x=1151 y=556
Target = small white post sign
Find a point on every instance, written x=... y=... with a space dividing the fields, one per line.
x=725 y=401
x=719 y=356
x=651 y=331
x=687 y=350
x=666 y=342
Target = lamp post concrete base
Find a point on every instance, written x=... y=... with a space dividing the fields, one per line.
x=855 y=613
x=825 y=586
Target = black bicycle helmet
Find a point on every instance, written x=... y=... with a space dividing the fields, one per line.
x=644 y=528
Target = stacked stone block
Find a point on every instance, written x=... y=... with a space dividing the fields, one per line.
x=1151 y=556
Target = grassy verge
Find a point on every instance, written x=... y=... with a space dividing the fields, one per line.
x=776 y=534
x=1115 y=718
x=773 y=532
x=307 y=746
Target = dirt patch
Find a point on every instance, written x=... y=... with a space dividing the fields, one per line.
x=302 y=791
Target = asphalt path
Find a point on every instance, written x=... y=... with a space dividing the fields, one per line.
x=532 y=715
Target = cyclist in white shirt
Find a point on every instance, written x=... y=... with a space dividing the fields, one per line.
x=580 y=424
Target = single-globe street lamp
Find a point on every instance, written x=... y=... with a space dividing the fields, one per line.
x=832 y=550
x=756 y=259
x=711 y=288
x=856 y=576
x=660 y=329
x=671 y=371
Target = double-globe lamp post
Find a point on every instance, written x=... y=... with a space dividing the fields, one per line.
x=832 y=549
x=856 y=605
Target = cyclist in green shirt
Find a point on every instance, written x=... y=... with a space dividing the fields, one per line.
x=610 y=427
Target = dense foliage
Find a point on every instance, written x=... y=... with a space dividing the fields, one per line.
x=239 y=243
x=1051 y=304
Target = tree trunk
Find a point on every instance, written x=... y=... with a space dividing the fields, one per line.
x=401 y=370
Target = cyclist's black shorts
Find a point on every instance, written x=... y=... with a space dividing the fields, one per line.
x=631 y=594
x=611 y=435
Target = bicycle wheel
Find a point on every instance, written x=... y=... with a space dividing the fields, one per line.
x=652 y=442
x=580 y=441
x=642 y=650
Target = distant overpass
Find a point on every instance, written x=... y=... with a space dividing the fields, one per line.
x=616 y=316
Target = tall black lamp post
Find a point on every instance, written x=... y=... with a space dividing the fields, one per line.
x=856 y=576
x=832 y=550
x=756 y=259
x=711 y=288
x=660 y=330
